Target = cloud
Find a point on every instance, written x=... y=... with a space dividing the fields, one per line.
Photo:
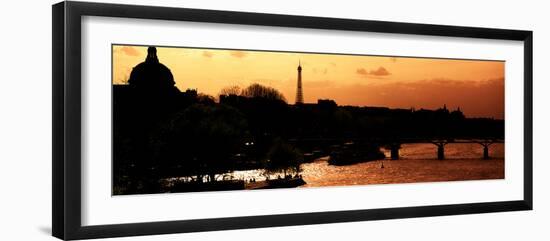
x=238 y=54
x=380 y=72
x=130 y=51
x=362 y=71
x=207 y=54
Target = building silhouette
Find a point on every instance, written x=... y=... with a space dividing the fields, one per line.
x=151 y=90
x=152 y=77
x=299 y=91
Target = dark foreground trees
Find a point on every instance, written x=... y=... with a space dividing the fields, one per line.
x=200 y=140
x=283 y=157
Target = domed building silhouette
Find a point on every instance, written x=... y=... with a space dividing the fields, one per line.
x=151 y=77
x=149 y=95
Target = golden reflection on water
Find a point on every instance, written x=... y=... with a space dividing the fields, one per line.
x=417 y=164
x=320 y=174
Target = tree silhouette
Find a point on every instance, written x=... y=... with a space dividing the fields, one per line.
x=283 y=157
x=201 y=140
x=231 y=90
x=260 y=91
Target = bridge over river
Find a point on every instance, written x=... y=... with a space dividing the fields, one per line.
x=394 y=144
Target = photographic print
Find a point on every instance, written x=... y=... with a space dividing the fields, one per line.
x=191 y=119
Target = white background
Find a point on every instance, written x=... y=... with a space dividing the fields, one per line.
x=25 y=121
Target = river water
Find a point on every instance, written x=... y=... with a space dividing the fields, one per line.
x=417 y=163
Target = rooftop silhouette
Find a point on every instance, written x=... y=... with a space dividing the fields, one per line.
x=151 y=76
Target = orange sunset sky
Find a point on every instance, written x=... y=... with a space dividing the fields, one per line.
x=477 y=87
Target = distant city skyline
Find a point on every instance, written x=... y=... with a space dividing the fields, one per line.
x=476 y=86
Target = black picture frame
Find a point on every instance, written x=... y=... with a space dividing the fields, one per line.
x=66 y=197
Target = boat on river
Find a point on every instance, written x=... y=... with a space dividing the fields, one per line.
x=352 y=153
x=288 y=182
x=222 y=185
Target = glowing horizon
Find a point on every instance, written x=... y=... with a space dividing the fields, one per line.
x=476 y=86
